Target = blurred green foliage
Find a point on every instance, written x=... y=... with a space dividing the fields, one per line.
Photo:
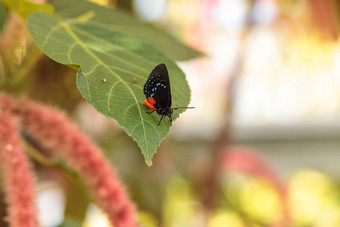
x=24 y=8
x=2 y=16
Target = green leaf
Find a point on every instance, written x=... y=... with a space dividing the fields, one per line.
x=24 y=8
x=121 y=21
x=113 y=70
x=2 y=16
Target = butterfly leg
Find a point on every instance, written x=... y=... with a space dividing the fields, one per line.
x=150 y=112
x=161 y=119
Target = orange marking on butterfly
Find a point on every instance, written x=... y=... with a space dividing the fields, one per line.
x=150 y=102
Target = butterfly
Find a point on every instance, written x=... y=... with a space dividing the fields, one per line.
x=158 y=94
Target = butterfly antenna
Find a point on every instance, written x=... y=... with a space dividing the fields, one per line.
x=187 y=107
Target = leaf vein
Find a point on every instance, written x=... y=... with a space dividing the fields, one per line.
x=155 y=129
x=126 y=110
x=49 y=34
x=110 y=93
x=69 y=52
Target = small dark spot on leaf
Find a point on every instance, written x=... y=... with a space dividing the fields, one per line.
x=133 y=81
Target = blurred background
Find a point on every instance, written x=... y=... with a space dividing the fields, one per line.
x=261 y=147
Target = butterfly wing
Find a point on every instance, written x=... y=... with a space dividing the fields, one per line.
x=158 y=87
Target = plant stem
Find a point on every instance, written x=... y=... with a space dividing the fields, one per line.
x=37 y=156
x=24 y=69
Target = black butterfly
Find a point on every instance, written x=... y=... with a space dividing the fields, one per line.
x=158 y=94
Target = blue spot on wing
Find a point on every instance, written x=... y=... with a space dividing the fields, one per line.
x=152 y=84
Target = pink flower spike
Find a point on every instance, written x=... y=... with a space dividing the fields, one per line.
x=59 y=134
x=6 y=104
x=18 y=177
